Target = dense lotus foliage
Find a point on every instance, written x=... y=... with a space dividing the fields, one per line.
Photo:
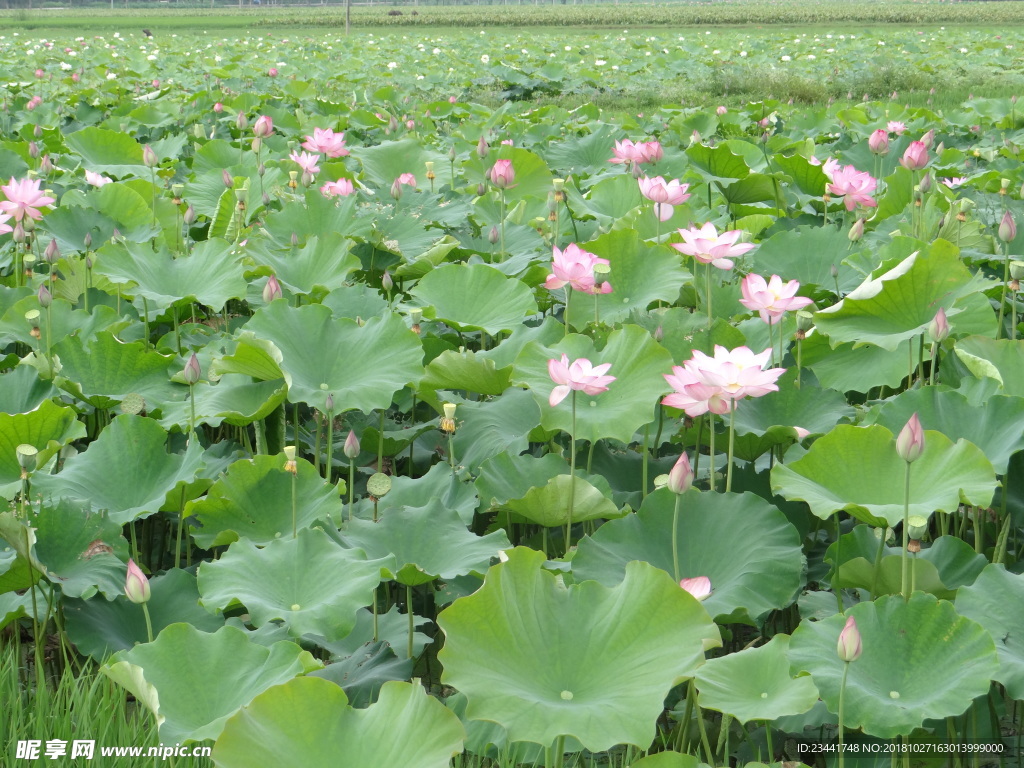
x=433 y=429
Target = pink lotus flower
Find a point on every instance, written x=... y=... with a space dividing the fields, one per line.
x=699 y=587
x=575 y=267
x=408 y=179
x=878 y=142
x=916 y=156
x=664 y=195
x=326 y=141
x=721 y=110
x=954 y=182
x=580 y=375
x=650 y=151
x=771 y=300
x=706 y=383
x=218 y=107
x=307 y=162
x=691 y=394
x=897 y=127
x=855 y=187
x=626 y=152
x=709 y=247
x=339 y=188
x=96 y=179
x=272 y=71
x=4 y=228
x=502 y=174
x=23 y=199
x=263 y=127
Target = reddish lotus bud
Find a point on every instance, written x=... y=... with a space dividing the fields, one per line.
x=680 y=478
x=227 y=178
x=938 y=328
x=878 y=142
x=272 y=71
x=849 y=645
x=44 y=296
x=46 y=165
x=503 y=174
x=721 y=110
x=699 y=586
x=910 y=442
x=149 y=157
x=916 y=156
x=396 y=189
x=263 y=127
x=351 y=449
x=1007 y=228
x=192 y=371
x=272 y=290
x=33 y=150
x=18 y=233
x=218 y=107
x=928 y=139
x=136 y=585
x=481 y=189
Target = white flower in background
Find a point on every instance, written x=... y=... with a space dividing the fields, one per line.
x=787 y=58
x=65 y=66
x=436 y=51
x=485 y=58
x=392 y=64
x=111 y=76
x=743 y=54
x=600 y=62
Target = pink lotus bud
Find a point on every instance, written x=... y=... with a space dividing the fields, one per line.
x=856 y=231
x=227 y=178
x=916 y=156
x=46 y=165
x=926 y=182
x=18 y=233
x=149 y=157
x=386 y=282
x=1007 y=228
x=263 y=127
x=351 y=449
x=481 y=189
x=878 y=142
x=494 y=235
x=272 y=71
x=241 y=122
x=192 y=371
x=272 y=290
x=156 y=83
x=453 y=100
x=218 y=107
x=699 y=587
x=410 y=124
x=52 y=252
x=680 y=478
x=44 y=296
x=910 y=442
x=503 y=174
x=928 y=139
x=75 y=77
x=329 y=403
x=40 y=74
x=33 y=150
x=189 y=216
x=396 y=189
x=87 y=240
x=938 y=328
x=721 y=110
x=136 y=585
x=482 y=149
x=849 y=646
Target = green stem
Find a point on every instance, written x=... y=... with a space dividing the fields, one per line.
x=675 y=538
x=380 y=443
x=771 y=342
x=145 y=318
x=572 y=475
x=351 y=486
x=711 y=451
x=192 y=412
x=905 y=580
x=1002 y=294
x=568 y=295
x=839 y=561
x=149 y=624
x=842 y=697
x=732 y=440
x=295 y=507
x=705 y=742
x=329 y=469
x=878 y=562
x=412 y=618
x=707 y=288
x=643 y=460
x=502 y=223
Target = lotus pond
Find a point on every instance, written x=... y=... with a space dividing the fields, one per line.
x=348 y=416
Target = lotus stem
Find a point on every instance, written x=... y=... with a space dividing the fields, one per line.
x=732 y=441
x=799 y=359
x=351 y=486
x=979 y=532
x=375 y=627
x=501 y=227
x=329 y=469
x=905 y=580
x=643 y=462
x=711 y=451
x=568 y=295
x=771 y=341
x=149 y=624
x=412 y=423
x=842 y=701
x=572 y=475
x=412 y=619
x=705 y=742
x=192 y=412
x=707 y=288
x=380 y=443
x=675 y=538
x=835 y=578
x=878 y=562
x=1002 y=295
x=295 y=507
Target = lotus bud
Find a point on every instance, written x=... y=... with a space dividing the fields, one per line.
x=699 y=587
x=481 y=189
x=87 y=240
x=192 y=372
x=659 y=334
x=46 y=165
x=938 y=328
x=926 y=182
x=351 y=449
x=294 y=239
x=257 y=144
x=849 y=646
x=289 y=460
x=910 y=442
x=386 y=282
x=88 y=263
x=452 y=155
x=329 y=403
x=502 y=174
x=28 y=456
x=307 y=178
x=878 y=142
x=272 y=290
x=928 y=139
x=917 y=526
x=33 y=150
x=1007 y=228
x=52 y=252
x=18 y=234
x=44 y=296
x=448 y=420
x=241 y=122
x=136 y=585
x=261 y=170
x=680 y=478
x=856 y=231
x=189 y=216
x=227 y=178
x=494 y=235
x=392 y=124
x=149 y=157
x=218 y=107
x=396 y=189
x=263 y=127
x=29 y=224
x=482 y=149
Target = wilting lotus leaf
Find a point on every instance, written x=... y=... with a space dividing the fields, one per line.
x=473 y=297
x=125 y=471
x=588 y=661
x=991 y=601
x=164 y=676
x=47 y=428
x=308 y=721
x=755 y=684
x=742 y=543
x=921 y=661
x=637 y=362
x=275 y=583
x=362 y=366
x=999 y=359
x=831 y=476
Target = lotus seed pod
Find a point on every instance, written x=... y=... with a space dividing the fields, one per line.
x=28 y=456
x=917 y=526
x=133 y=404
x=378 y=485
x=289 y=460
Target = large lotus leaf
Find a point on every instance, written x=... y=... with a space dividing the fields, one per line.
x=588 y=661
x=668 y=760
x=106 y=151
x=833 y=476
x=995 y=428
x=999 y=359
x=276 y=583
x=899 y=304
x=125 y=471
x=608 y=200
x=808 y=255
x=473 y=297
x=743 y=544
x=812 y=408
x=717 y=162
x=361 y=365
x=211 y=274
x=63 y=320
x=392 y=628
x=21 y=390
x=439 y=483
x=362 y=674
x=755 y=684
x=387 y=161
x=253 y=501
x=352 y=301
x=427 y=542
x=99 y=628
x=466 y=370
x=920 y=661
x=991 y=601
x=323 y=262
x=48 y=428
x=309 y=722
x=849 y=368
x=637 y=362
x=504 y=476
x=491 y=427
x=166 y=675
x=548 y=504
x=103 y=371
x=236 y=399
x=641 y=274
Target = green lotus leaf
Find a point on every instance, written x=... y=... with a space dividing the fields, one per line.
x=48 y=428
x=276 y=583
x=831 y=476
x=211 y=274
x=235 y=399
x=849 y=368
x=999 y=359
x=894 y=687
x=253 y=357
x=717 y=162
x=102 y=372
x=164 y=676
x=15 y=572
x=14 y=606
x=322 y=263
x=595 y=663
x=504 y=476
x=466 y=371
x=755 y=684
x=106 y=151
x=362 y=366
x=812 y=408
x=900 y=304
x=809 y=178
x=252 y=500
x=21 y=391
x=668 y=760
x=308 y=721
x=548 y=505
x=807 y=254
x=474 y=297
x=99 y=628
x=439 y=483
x=641 y=274
x=637 y=362
x=427 y=542
x=608 y=200
x=986 y=601
x=391 y=628
x=63 y=321
x=743 y=544
x=125 y=471
x=491 y=427
x=385 y=162
x=362 y=674
x=993 y=428
x=352 y=301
